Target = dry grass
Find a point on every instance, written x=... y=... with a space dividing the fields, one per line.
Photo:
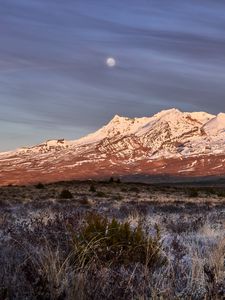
x=38 y=260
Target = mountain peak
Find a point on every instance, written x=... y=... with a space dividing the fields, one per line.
x=216 y=125
x=221 y=116
x=170 y=111
x=118 y=118
x=166 y=112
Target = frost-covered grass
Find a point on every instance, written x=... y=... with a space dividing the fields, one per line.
x=38 y=227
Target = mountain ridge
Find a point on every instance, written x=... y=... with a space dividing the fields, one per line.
x=193 y=141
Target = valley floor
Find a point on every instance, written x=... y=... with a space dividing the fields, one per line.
x=55 y=241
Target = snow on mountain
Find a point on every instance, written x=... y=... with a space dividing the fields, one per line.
x=202 y=117
x=216 y=125
x=128 y=145
x=50 y=145
x=117 y=127
x=122 y=126
x=168 y=133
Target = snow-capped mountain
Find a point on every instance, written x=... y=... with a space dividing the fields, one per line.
x=168 y=143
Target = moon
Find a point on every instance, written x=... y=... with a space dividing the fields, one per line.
x=110 y=62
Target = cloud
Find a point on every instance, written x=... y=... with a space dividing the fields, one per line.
x=52 y=60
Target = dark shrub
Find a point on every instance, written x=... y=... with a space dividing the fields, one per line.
x=112 y=243
x=191 y=205
x=101 y=194
x=181 y=226
x=111 y=179
x=210 y=191
x=3 y=203
x=84 y=201
x=92 y=189
x=40 y=186
x=134 y=189
x=193 y=193
x=65 y=194
x=118 y=197
x=221 y=193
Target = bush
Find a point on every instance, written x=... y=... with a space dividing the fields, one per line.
x=65 y=194
x=112 y=243
x=221 y=194
x=92 y=189
x=84 y=201
x=184 y=226
x=210 y=191
x=118 y=197
x=193 y=193
x=101 y=194
x=40 y=186
x=111 y=180
x=134 y=189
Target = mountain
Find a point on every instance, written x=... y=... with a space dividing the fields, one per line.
x=170 y=142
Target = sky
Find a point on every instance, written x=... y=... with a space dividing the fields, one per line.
x=54 y=80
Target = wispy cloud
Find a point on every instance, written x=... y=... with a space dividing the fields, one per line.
x=52 y=61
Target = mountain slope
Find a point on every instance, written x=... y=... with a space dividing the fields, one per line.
x=169 y=143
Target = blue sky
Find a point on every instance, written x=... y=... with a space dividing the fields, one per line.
x=54 y=82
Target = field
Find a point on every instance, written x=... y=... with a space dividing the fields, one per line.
x=112 y=240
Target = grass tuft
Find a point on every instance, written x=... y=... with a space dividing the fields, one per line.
x=65 y=194
x=110 y=242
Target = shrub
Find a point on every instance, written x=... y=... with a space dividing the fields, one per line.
x=84 y=201
x=111 y=179
x=113 y=243
x=220 y=193
x=210 y=191
x=180 y=226
x=118 y=197
x=92 y=189
x=65 y=194
x=100 y=194
x=2 y=204
x=40 y=186
x=134 y=189
x=193 y=193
